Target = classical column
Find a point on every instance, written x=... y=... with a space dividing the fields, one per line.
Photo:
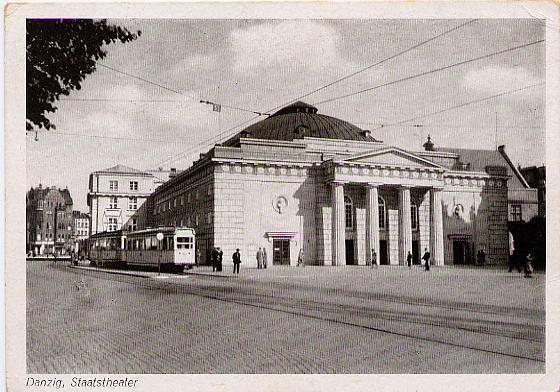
x=436 y=230
x=405 y=224
x=338 y=224
x=372 y=221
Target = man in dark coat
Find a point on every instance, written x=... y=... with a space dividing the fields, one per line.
x=214 y=259
x=236 y=261
x=220 y=259
x=426 y=258
x=409 y=259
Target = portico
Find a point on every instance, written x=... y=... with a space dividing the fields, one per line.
x=404 y=174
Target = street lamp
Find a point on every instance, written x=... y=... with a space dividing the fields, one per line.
x=159 y=237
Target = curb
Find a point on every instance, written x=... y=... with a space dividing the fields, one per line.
x=113 y=272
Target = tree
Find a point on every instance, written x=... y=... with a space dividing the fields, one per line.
x=60 y=54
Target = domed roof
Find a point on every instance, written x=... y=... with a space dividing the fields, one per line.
x=298 y=120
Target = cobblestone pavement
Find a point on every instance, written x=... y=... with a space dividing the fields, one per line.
x=285 y=320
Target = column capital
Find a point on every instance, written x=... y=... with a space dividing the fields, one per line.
x=405 y=186
x=373 y=184
x=436 y=188
x=337 y=182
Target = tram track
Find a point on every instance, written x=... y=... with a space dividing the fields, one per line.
x=514 y=336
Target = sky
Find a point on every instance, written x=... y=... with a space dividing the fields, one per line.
x=260 y=65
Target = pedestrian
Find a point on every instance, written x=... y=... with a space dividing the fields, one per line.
x=409 y=259
x=198 y=255
x=259 y=258
x=220 y=259
x=214 y=259
x=236 y=261
x=426 y=258
x=482 y=257
x=300 y=259
x=265 y=258
x=373 y=259
x=514 y=261
x=528 y=265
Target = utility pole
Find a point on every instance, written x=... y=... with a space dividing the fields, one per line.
x=496 y=131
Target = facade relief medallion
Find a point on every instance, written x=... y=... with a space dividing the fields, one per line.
x=366 y=171
x=344 y=170
x=225 y=168
x=294 y=172
x=249 y=169
x=386 y=172
x=280 y=204
x=425 y=175
x=260 y=170
x=237 y=169
x=405 y=174
x=355 y=170
x=283 y=170
x=434 y=175
x=458 y=211
x=415 y=174
x=271 y=170
x=376 y=172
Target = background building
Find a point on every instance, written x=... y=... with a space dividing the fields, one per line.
x=81 y=225
x=115 y=197
x=49 y=221
x=301 y=180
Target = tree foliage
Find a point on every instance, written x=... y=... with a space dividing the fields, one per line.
x=60 y=54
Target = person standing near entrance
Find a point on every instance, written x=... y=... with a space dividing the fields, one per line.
x=214 y=259
x=265 y=258
x=426 y=258
x=259 y=258
x=236 y=261
x=300 y=260
x=373 y=259
x=409 y=259
x=220 y=259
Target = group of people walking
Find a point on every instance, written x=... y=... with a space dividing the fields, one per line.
x=517 y=261
x=262 y=258
x=409 y=259
x=217 y=255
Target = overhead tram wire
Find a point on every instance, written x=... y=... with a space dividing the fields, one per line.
x=459 y=106
x=182 y=154
x=116 y=137
x=374 y=65
x=429 y=72
x=332 y=83
x=165 y=88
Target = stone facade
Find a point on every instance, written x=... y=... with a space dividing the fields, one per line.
x=116 y=198
x=303 y=181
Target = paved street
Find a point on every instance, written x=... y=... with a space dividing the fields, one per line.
x=285 y=320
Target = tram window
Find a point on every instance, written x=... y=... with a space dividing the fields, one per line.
x=184 y=242
x=170 y=242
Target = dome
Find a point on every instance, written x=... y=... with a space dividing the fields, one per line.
x=298 y=120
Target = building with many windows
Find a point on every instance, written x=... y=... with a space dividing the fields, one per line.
x=81 y=225
x=300 y=180
x=49 y=221
x=115 y=197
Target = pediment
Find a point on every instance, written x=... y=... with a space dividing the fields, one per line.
x=390 y=156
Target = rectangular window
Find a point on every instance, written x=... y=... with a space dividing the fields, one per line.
x=133 y=185
x=112 y=224
x=209 y=217
x=134 y=224
x=132 y=203
x=414 y=217
x=515 y=214
x=174 y=203
x=113 y=185
x=189 y=197
x=182 y=200
x=113 y=202
x=184 y=242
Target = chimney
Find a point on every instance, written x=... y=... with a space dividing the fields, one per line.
x=172 y=172
x=366 y=133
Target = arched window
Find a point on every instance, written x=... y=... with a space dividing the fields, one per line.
x=381 y=207
x=414 y=216
x=348 y=212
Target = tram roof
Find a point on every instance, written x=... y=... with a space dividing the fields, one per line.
x=155 y=230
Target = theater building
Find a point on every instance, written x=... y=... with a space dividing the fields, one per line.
x=304 y=180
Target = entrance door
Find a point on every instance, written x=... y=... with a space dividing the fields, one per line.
x=350 y=252
x=383 y=259
x=461 y=252
x=281 y=252
x=415 y=252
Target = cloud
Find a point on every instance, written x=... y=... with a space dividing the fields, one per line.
x=496 y=79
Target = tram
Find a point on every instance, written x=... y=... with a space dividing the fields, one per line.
x=170 y=249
